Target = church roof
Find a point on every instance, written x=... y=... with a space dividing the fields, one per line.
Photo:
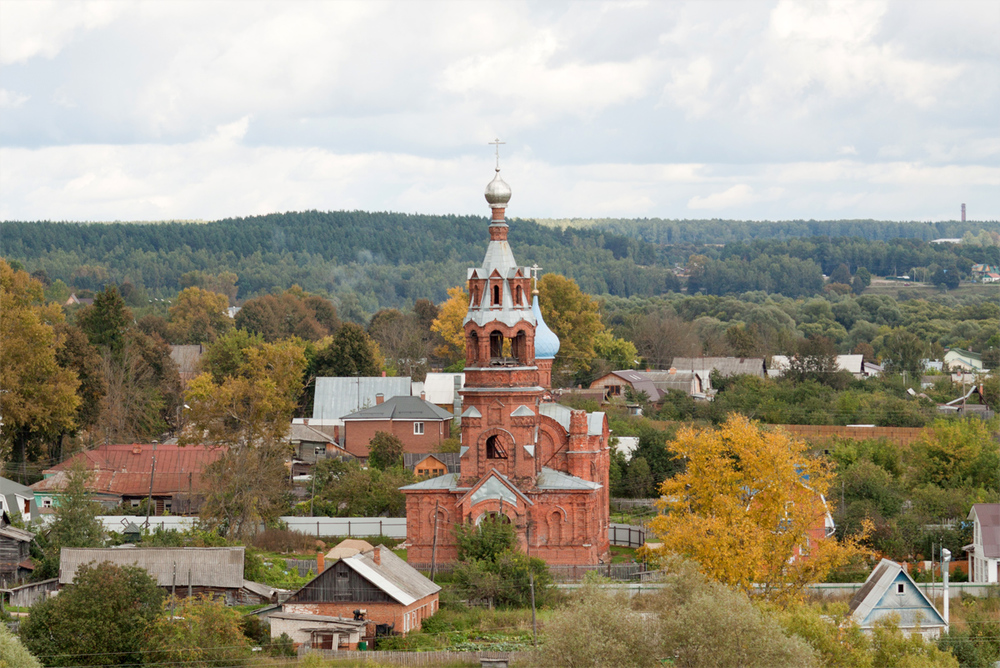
x=546 y=341
x=561 y=414
x=552 y=479
x=447 y=481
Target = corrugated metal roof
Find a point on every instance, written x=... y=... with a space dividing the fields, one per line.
x=988 y=516
x=439 y=388
x=125 y=470
x=557 y=412
x=336 y=397
x=401 y=408
x=450 y=459
x=726 y=366
x=208 y=566
x=317 y=619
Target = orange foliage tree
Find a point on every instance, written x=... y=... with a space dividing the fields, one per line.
x=750 y=507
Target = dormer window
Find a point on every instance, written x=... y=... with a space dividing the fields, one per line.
x=519 y=295
x=496 y=295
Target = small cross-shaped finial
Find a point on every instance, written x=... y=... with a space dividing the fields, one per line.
x=496 y=142
x=534 y=269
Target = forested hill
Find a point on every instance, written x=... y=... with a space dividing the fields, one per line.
x=718 y=231
x=370 y=260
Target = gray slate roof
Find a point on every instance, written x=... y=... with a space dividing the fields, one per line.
x=324 y=619
x=726 y=366
x=336 y=397
x=303 y=433
x=209 y=566
x=562 y=414
x=878 y=599
x=446 y=481
x=401 y=408
x=9 y=489
x=552 y=479
x=988 y=515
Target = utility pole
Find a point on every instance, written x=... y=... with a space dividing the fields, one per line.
x=152 y=474
x=534 y=622
x=434 y=544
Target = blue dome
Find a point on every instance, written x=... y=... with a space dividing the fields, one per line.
x=546 y=341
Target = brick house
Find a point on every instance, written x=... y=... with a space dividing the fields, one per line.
x=381 y=586
x=419 y=424
x=540 y=465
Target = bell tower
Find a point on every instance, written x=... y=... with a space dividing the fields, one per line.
x=502 y=385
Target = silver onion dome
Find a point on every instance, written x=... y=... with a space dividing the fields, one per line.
x=497 y=192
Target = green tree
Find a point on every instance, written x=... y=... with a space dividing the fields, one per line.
x=74 y=522
x=101 y=619
x=385 y=451
x=12 y=653
x=619 y=353
x=862 y=279
x=903 y=352
x=248 y=413
x=485 y=541
x=638 y=481
x=351 y=352
x=574 y=317
x=492 y=569
x=202 y=631
x=347 y=490
x=107 y=321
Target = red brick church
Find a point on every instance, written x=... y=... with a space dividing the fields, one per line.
x=540 y=465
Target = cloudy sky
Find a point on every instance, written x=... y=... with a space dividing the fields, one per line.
x=751 y=110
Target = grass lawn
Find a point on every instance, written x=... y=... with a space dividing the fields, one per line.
x=620 y=555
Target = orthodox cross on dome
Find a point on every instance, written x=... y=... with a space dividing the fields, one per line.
x=496 y=143
x=533 y=270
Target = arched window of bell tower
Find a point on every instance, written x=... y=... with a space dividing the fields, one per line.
x=496 y=345
x=494 y=450
x=496 y=295
x=473 y=348
x=519 y=348
x=519 y=296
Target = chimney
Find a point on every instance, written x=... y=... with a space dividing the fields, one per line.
x=963 y=212
x=379 y=398
x=423 y=396
x=672 y=370
x=305 y=421
x=377 y=555
x=136 y=449
x=383 y=374
x=320 y=562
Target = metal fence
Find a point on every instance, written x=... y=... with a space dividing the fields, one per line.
x=627 y=535
x=393 y=527
x=630 y=504
x=438 y=658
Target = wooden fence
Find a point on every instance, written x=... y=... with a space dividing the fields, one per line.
x=437 y=658
x=897 y=435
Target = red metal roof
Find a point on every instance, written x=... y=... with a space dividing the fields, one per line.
x=125 y=470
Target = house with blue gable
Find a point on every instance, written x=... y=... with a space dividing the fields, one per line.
x=890 y=592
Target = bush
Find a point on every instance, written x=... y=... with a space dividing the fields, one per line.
x=285 y=541
x=12 y=653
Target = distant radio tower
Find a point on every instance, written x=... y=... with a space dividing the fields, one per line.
x=963 y=212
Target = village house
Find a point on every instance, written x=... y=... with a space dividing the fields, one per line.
x=419 y=424
x=963 y=360
x=182 y=571
x=125 y=474
x=539 y=465
x=337 y=397
x=984 y=551
x=432 y=465
x=312 y=443
x=619 y=385
x=321 y=632
x=888 y=592
x=725 y=366
x=15 y=552
x=853 y=364
x=18 y=500
x=383 y=588
x=188 y=361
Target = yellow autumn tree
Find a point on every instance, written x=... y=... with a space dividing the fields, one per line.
x=750 y=508
x=448 y=324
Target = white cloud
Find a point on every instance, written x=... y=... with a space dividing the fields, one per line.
x=739 y=195
x=11 y=99
x=42 y=28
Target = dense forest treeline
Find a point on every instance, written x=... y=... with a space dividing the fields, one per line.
x=372 y=260
x=719 y=231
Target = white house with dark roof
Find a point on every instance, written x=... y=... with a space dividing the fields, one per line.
x=888 y=592
x=984 y=552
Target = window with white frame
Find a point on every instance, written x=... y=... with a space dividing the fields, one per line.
x=418 y=428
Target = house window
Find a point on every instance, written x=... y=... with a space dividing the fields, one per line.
x=47 y=502
x=418 y=428
x=135 y=503
x=342 y=575
x=900 y=588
